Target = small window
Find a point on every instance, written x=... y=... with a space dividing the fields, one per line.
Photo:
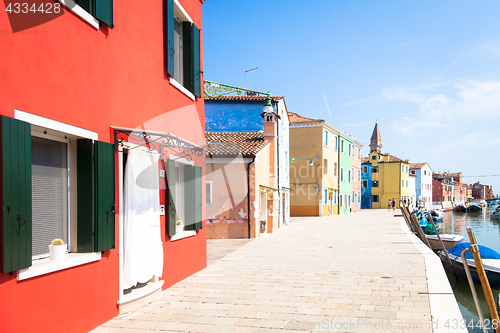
x=359 y=175
x=375 y=169
x=100 y=9
x=374 y=157
x=335 y=168
x=406 y=183
x=340 y=201
x=326 y=138
x=336 y=143
x=412 y=172
x=364 y=183
x=402 y=183
x=182 y=49
x=374 y=183
x=349 y=176
x=353 y=197
x=325 y=195
x=341 y=145
x=359 y=154
x=209 y=192
x=375 y=198
x=365 y=169
x=341 y=174
x=334 y=197
x=403 y=168
x=350 y=149
x=325 y=166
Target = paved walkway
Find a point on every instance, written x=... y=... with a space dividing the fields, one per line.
x=350 y=273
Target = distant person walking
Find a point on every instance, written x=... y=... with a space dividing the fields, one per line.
x=389 y=205
x=393 y=204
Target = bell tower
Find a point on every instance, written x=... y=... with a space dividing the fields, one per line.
x=376 y=140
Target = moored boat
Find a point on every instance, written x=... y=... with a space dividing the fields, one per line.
x=437 y=215
x=483 y=203
x=449 y=241
x=474 y=208
x=495 y=215
x=460 y=208
x=490 y=259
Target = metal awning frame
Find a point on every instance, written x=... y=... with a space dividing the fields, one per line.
x=164 y=143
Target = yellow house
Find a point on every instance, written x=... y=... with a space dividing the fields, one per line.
x=390 y=175
x=313 y=167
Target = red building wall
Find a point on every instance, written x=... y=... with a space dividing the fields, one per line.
x=70 y=72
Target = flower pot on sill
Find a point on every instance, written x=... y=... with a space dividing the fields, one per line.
x=57 y=252
x=179 y=228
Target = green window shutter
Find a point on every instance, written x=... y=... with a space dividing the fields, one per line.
x=87 y=5
x=104 y=185
x=85 y=193
x=197 y=198
x=191 y=58
x=192 y=197
x=196 y=62
x=168 y=35
x=171 y=195
x=104 y=11
x=15 y=222
x=189 y=213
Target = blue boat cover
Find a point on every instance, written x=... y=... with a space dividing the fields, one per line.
x=486 y=252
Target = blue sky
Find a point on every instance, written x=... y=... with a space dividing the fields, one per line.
x=428 y=71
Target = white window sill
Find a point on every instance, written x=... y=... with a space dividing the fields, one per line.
x=45 y=266
x=185 y=234
x=182 y=89
x=79 y=11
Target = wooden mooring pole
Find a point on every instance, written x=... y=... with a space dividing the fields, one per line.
x=484 y=279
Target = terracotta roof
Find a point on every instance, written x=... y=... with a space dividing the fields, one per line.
x=393 y=158
x=295 y=118
x=365 y=159
x=242 y=98
x=417 y=165
x=234 y=143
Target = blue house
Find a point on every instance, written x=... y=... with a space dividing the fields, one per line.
x=366 y=185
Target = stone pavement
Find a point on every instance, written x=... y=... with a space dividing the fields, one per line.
x=351 y=273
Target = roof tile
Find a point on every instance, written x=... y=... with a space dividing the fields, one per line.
x=234 y=143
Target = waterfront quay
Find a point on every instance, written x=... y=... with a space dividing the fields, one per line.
x=346 y=273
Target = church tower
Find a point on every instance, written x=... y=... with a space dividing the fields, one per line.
x=376 y=140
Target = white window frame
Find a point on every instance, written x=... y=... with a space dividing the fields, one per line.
x=341 y=174
x=181 y=15
x=364 y=183
x=365 y=169
x=82 y=13
x=45 y=266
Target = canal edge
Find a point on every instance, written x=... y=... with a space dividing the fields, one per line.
x=443 y=304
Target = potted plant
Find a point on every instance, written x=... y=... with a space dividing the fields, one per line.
x=179 y=228
x=57 y=249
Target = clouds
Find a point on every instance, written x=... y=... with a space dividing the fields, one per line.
x=445 y=105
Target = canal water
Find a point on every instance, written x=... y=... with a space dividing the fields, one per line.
x=487 y=233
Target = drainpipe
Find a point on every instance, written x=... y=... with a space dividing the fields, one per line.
x=280 y=206
x=248 y=193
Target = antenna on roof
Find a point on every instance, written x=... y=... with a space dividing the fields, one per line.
x=246 y=72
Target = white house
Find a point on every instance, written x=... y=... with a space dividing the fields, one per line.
x=423 y=182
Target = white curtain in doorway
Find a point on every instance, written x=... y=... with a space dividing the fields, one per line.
x=143 y=250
